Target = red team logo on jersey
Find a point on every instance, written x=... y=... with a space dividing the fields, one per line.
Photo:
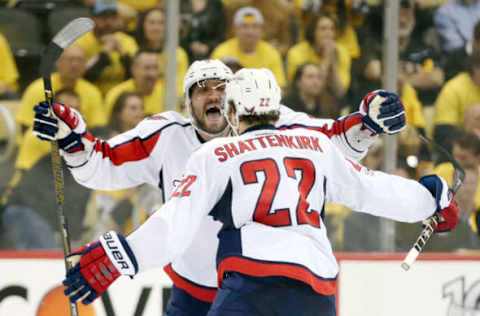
x=182 y=189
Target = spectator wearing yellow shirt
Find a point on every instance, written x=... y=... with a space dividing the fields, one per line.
x=145 y=82
x=277 y=29
x=248 y=47
x=8 y=70
x=70 y=68
x=456 y=96
x=334 y=60
x=108 y=51
x=150 y=34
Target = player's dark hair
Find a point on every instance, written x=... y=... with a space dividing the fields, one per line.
x=262 y=119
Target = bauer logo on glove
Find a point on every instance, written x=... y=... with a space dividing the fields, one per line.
x=383 y=112
x=96 y=266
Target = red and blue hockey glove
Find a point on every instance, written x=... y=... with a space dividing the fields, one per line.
x=61 y=123
x=96 y=266
x=446 y=206
x=383 y=112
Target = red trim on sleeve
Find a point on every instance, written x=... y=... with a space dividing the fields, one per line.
x=354 y=120
x=336 y=128
x=201 y=293
x=262 y=269
x=133 y=150
x=351 y=121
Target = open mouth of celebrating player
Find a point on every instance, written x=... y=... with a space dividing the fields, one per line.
x=213 y=112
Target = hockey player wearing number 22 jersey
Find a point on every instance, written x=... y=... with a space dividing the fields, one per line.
x=267 y=188
x=156 y=152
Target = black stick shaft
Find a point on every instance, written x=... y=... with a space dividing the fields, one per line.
x=59 y=190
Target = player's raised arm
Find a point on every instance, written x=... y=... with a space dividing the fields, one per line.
x=380 y=112
x=387 y=195
x=123 y=161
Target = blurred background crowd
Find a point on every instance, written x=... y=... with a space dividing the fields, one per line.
x=326 y=55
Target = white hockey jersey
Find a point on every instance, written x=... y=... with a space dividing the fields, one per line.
x=268 y=189
x=156 y=152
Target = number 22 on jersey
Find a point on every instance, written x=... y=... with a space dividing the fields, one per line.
x=281 y=217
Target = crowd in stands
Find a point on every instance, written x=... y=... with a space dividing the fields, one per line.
x=326 y=55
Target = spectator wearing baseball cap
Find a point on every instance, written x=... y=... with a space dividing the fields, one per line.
x=277 y=17
x=248 y=47
x=108 y=50
x=103 y=7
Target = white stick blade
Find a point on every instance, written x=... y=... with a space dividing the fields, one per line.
x=410 y=259
x=73 y=31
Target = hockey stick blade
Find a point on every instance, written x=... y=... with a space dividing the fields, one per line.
x=64 y=38
x=433 y=221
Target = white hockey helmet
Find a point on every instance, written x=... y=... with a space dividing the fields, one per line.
x=202 y=70
x=253 y=92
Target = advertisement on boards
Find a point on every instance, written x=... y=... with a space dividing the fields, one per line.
x=368 y=285
x=443 y=286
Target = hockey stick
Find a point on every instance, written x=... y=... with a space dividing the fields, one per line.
x=433 y=221
x=64 y=38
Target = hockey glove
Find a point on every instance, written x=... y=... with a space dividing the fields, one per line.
x=61 y=123
x=383 y=112
x=97 y=265
x=446 y=206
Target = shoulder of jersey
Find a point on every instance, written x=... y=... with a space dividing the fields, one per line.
x=290 y=117
x=166 y=118
x=161 y=122
x=284 y=110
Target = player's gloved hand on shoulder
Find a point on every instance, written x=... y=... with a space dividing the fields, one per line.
x=447 y=208
x=383 y=112
x=61 y=122
x=97 y=265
